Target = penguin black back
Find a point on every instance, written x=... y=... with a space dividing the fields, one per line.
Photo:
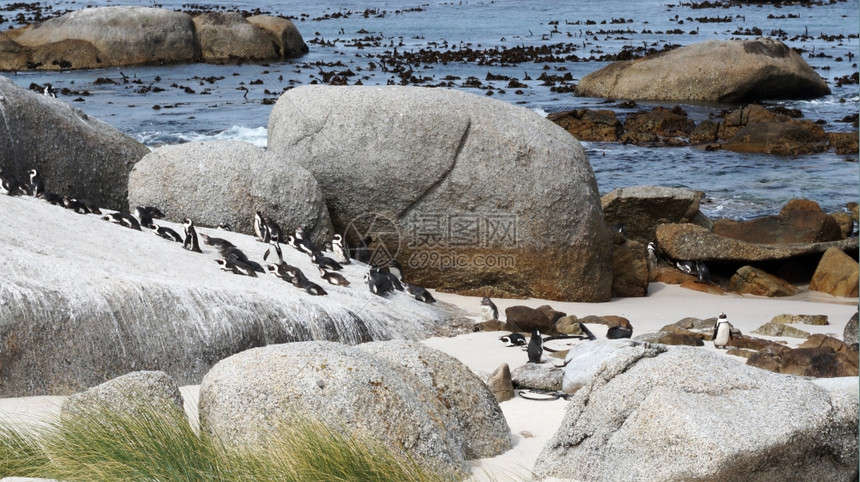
x=535 y=348
x=191 y=243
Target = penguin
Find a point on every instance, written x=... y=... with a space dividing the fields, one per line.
x=703 y=272
x=304 y=245
x=254 y=265
x=362 y=251
x=237 y=267
x=489 y=312
x=165 y=232
x=618 y=332
x=88 y=205
x=8 y=184
x=285 y=272
x=395 y=268
x=225 y=226
x=688 y=267
x=535 y=348
x=652 y=255
x=325 y=262
x=260 y=228
x=515 y=339
x=274 y=250
x=333 y=278
x=144 y=214
x=722 y=331
x=218 y=243
x=49 y=91
x=190 y=243
x=393 y=279
x=123 y=219
x=74 y=205
x=233 y=253
x=378 y=283
x=37 y=187
x=340 y=249
x=312 y=287
x=418 y=292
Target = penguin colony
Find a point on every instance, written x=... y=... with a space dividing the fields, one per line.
x=380 y=280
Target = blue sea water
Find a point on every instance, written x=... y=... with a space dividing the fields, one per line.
x=354 y=36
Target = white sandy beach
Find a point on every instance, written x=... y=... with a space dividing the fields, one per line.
x=533 y=423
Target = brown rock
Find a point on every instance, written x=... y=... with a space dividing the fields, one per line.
x=819 y=320
x=792 y=226
x=660 y=121
x=846 y=224
x=753 y=281
x=820 y=362
x=13 y=56
x=850 y=332
x=642 y=208
x=705 y=132
x=769 y=358
x=843 y=142
x=701 y=335
x=614 y=320
x=752 y=343
x=590 y=125
x=670 y=339
x=500 y=383
x=784 y=138
x=819 y=340
x=630 y=270
x=284 y=34
x=524 y=319
x=672 y=276
x=228 y=36
x=66 y=54
x=836 y=274
x=568 y=325
x=687 y=241
x=741 y=352
x=855 y=211
x=695 y=285
x=779 y=329
x=746 y=115
x=492 y=325
x=550 y=313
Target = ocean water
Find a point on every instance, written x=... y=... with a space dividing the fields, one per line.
x=172 y=104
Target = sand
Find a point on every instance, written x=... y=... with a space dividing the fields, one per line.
x=533 y=423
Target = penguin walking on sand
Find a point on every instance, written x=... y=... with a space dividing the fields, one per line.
x=340 y=249
x=489 y=312
x=722 y=331
x=190 y=243
x=515 y=339
x=535 y=348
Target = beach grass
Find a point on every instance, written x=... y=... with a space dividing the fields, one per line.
x=149 y=444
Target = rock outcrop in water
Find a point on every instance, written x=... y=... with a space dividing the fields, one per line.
x=115 y=36
x=467 y=192
x=75 y=154
x=83 y=300
x=714 y=71
x=227 y=181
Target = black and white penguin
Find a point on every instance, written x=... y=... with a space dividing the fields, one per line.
x=8 y=184
x=274 y=250
x=378 y=282
x=123 y=219
x=325 y=262
x=362 y=251
x=285 y=272
x=37 y=186
x=418 y=292
x=217 y=243
x=260 y=228
x=232 y=253
x=312 y=288
x=340 y=249
x=90 y=206
x=165 y=232
x=703 y=272
x=652 y=255
x=515 y=339
x=236 y=267
x=255 y=266
x=145 y=214
x=618 y=332
x=535 y=348
x=225 y=226
x=49 y=91
x=688 y=267
x=393 y=279
x=305 y=245
x=190 y=243
x=722 y=331
x=395 y=268
x=72 y=204
x=489 y=312
x=336 y=279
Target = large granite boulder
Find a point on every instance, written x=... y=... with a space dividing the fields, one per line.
x=410 y=404
x=129 y=393
x=642 y=208
x=836 y=274
x=466 y=191
x=689 y=414
x=850 y=332
x=799 y=221
x=90 y=159
x=754 y=281
x=715 y=70
x=228 y=36
x=283 y=33
x=688 y=241
x=83 y=300
x=228 y=181
x=590 y=124
x=123 y=35
x=630 y=270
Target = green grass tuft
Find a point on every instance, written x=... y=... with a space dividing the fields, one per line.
x=148 y=444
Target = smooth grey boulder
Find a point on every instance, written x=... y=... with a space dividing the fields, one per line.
x=284 y=33
x=535 y=376
x=90 y=159
x=642 y=208
x=733 y=71
x=227 y=181
x=689 y=414
x=129 y=393
x=229 y=36
x=470 y=406
x=82 y=300
x=245 y=397
x=123 y=35
x=467 y=192
x=688 y=241
x=585 y=360
x=849 y=333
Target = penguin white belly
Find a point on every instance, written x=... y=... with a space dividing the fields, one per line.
x=722 y=337
x=486 y=313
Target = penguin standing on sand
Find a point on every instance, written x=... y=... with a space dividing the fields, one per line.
x=37 y=186
x=340 y=249
x=274 y=251
x=260 y=228
x=722 y=331
x=489 y=312
x=535 y=348
x=652 y=255
x=190 y=243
